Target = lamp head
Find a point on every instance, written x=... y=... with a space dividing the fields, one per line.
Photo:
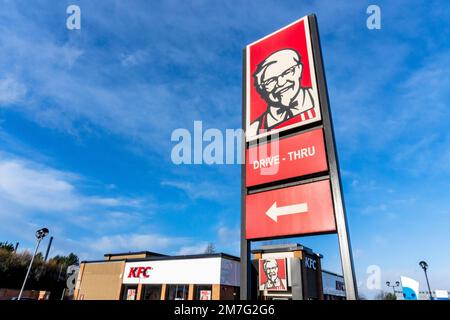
x=423 y=265
x=388 y=283
x=41 y=233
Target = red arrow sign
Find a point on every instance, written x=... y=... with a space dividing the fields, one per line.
x=299 y=210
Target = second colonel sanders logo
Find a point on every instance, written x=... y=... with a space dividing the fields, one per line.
x=281 y=83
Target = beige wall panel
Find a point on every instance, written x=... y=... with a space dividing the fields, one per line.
x=215 y=292
x=101 y=281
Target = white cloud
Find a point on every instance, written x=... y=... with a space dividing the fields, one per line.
x=69 y=55
x=200 y=190
x=229 y=239
x=132 y=242
x=133 y=59
x=193 y=249
x=113 y=202
x=35 y=187
x=374 y=209
x=11 y=91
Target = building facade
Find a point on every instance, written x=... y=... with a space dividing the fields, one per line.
x=280 y=272
x=151 y=276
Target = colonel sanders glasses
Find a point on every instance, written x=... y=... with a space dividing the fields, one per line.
x=270 y=84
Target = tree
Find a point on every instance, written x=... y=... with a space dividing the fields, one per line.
x=68 y=260
x=39 y=256
x=210 y=248
x=7 y=246
x=72 y=258
x=49 y=276
x=385 y=296
x=390 y=296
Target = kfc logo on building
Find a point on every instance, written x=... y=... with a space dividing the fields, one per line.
x=272 y=274
x=281 y=84
x=310 y=263
x=139 y=272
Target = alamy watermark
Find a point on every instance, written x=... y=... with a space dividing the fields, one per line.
x=214 y=147
x=73 y=21
x=373 y=21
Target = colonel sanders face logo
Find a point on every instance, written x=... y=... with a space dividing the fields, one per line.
x=271 y=270
x=277 y=78
x=273 y=279
x=278 y=81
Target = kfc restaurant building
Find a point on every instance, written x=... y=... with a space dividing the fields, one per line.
x=293 y=272
x=280 y=272
x=152 y=276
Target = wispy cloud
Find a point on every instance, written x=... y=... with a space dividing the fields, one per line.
x=199 y=190
x=11 y=91
x=133 y=242
x=46 y=190
x=198 y=248
x=133 y=59
x=32 y=193
x=36 y=187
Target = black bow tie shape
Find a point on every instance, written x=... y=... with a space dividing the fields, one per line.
x=288 y=109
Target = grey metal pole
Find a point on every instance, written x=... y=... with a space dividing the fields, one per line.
x=48 y=248
x=29 y=269
x=351 y=289
x=245 y=271
x=428 y=284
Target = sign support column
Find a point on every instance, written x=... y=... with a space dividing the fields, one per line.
x=338 y=200
x=245 y=272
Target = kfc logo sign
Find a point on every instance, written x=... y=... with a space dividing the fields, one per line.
x=139 y=272
x=272 y=274
x=310 y=263
x=340 y=286
x=281 y=84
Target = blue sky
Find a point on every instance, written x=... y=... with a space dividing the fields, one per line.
x=86 y=118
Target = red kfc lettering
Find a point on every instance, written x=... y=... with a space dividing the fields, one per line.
x=137 y=272
x=132 y=273
x=146 y=275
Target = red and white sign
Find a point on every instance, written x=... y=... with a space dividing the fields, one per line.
x=139 y=272
x=199 y=271
x=131 y=294
x=281 y=87
x=298 y=210
x=272 y=274
x=205 y=294
x=286 y=158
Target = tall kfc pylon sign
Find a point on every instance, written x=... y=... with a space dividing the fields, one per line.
x=291 y=183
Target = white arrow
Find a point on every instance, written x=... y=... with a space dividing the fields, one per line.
x=274 y=212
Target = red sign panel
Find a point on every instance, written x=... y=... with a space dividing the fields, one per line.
x=281 y=87
x=286 y=158
x=297 y=210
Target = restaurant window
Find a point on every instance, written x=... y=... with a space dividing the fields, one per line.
x=177 y=292
x=129 y=292
x=203 y=292
x=151 y=292
x=229 y=293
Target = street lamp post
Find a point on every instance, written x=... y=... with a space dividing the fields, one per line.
x=424 y=266
x=393 y=286
x=40 y=234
